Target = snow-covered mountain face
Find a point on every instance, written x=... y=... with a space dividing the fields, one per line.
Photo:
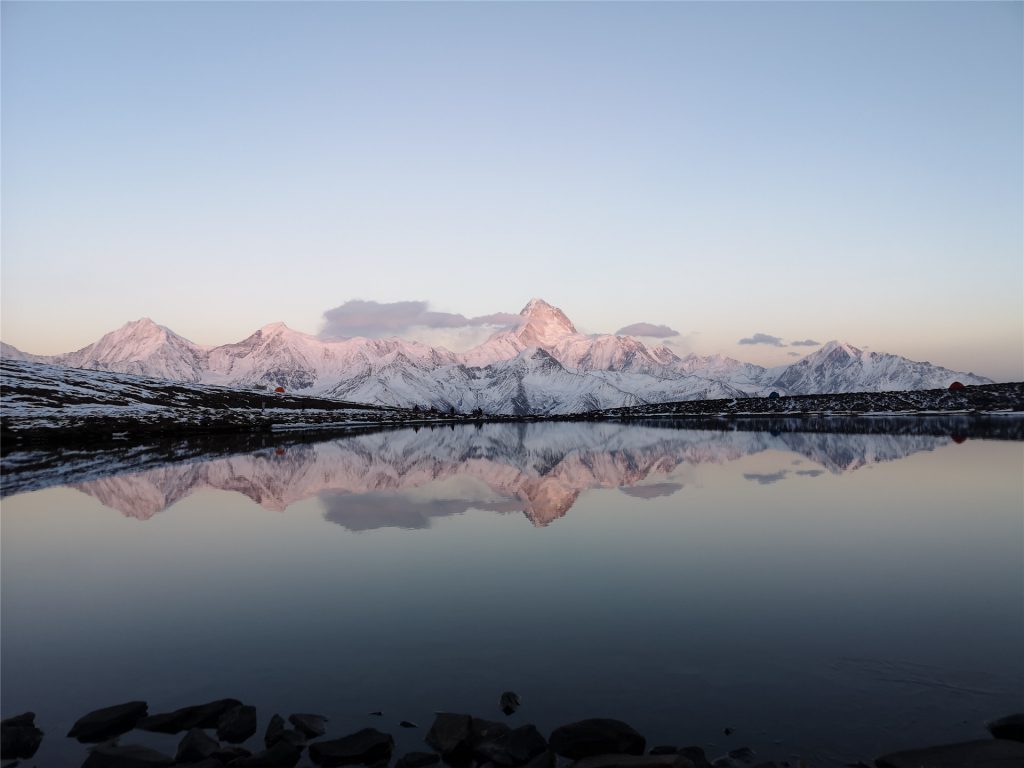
x=142 y=347
x=543 y=365
x=838 y=367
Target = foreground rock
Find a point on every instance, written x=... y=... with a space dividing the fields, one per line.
x=282 y=755
x=19 y=737
x=512 y=748
x=989 y=753
x=635 y=761
x=418 y=760
x=236 y=725
x=196 y=746
x=184 y=719
x=1009 y=727
x=450 y=733
x=596 y=736
x=364 y=747
x=108 y=722
x=509 y=702
x=274 y=729
x=310 y=726
x=128 y=756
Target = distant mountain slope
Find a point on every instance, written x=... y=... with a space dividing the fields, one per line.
x=144 y=348
x=542 y=365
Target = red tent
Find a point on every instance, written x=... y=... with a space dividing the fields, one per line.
x=280 y=390
x=956 y=386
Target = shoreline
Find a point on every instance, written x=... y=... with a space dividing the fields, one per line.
x=47 y=405
x=214 y=733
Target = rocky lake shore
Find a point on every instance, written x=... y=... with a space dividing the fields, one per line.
x=214 y=733
x=47 y=405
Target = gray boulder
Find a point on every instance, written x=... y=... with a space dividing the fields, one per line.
x=237 y=724
x=990 y=753
x=19 y=737
x=512 y=748
x=128 y=756
x=1009 y=727
x=450 y=734
x=196 y=716
x=281 y=755
x=596 y=736
x=274 y=729
x=108 y=722
x=509 y=702
x=418 y=760
x=196 y=746
x=310 y=726
x=634 y=761
x=364 y=747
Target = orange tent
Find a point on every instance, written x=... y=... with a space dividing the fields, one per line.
x=279 y=390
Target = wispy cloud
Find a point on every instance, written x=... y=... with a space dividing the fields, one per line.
x=766 y=479
x=647 y=329
x=805 y=343
x=793 y=354
x=374 y=319
x=763 y=338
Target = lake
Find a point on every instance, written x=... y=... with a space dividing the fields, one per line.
x=828 y=595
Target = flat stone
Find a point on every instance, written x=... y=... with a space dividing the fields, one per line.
x=19 y=737
x=634 y=761
x=237 y=724
x=310 y=726
x=596 y=736
x=450 y=733
x=363 y=747
x=127 y=756
x=987 y=753
x=1009 y=727
x=108 y=722
x=196 y=746
x=197 y=716
x=418 y=760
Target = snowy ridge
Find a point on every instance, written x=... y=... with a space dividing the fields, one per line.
x=541 y=366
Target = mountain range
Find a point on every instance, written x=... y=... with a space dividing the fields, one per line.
x=542 y=365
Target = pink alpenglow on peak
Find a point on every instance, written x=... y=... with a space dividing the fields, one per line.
x=542 y=364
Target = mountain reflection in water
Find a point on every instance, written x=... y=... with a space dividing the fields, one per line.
x=539 y=469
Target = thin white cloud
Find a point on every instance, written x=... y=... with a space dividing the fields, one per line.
x=647 y=329
x=375 y=319
x=763 y=338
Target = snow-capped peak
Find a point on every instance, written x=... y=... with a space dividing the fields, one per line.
x=543 y=324
x=832 y=346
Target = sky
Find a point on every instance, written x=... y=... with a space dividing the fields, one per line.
x=769 y=172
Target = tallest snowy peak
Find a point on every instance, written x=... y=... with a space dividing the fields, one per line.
x=543 y=324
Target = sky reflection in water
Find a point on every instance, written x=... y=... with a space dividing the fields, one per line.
x=833 y=595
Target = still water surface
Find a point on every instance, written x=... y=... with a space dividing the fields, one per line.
x=834 y=596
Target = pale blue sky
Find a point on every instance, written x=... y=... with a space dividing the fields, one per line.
x=806 y=170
